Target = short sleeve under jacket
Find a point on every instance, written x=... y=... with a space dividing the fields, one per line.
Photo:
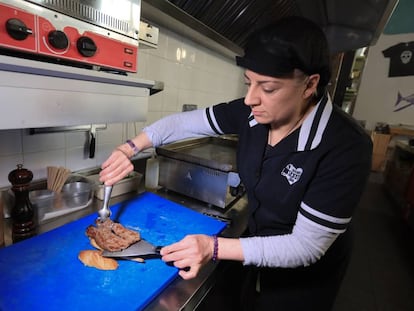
x=319 y=170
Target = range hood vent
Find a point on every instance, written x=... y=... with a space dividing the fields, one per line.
x=349 y=24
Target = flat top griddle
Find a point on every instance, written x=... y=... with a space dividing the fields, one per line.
x=213 y=152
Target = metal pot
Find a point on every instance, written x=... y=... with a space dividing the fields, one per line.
x=76 y=193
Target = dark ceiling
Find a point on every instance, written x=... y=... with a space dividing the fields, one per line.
x=235 y=19
x=348 y=24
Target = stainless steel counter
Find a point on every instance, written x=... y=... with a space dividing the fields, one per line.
x=180 y=294
x=186 y=295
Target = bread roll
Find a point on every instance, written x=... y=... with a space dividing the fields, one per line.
x=94 y=258
x=94 y=244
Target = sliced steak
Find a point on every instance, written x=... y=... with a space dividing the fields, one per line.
x=129 y=235
x=112 y=236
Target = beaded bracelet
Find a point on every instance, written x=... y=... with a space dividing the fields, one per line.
x=132 y=145
x=215 y=248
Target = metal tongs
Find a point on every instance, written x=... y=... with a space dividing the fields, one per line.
x=104 y=213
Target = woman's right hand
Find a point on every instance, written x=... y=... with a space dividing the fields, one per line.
x=116 y=167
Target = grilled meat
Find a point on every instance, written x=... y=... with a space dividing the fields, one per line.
x=112 y=236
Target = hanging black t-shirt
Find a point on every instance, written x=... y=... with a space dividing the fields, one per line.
x=401 y=59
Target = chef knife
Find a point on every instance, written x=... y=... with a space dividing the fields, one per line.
x=92 y=142
x=141 y=248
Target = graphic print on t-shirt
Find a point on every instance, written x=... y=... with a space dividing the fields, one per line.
x=401 y=59
x=292 y=173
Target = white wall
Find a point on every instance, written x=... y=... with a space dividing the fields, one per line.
x=202 y=77
x=378 y=93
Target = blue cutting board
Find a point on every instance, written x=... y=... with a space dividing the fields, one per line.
x=44 y=272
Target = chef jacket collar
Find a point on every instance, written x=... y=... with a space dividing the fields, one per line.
x=313 y=127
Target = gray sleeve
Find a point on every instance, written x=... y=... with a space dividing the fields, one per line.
x=307 y=243
x=179 y=126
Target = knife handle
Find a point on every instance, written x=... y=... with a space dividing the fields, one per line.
x=171 y=264
x=92 y=146
x=157 y=249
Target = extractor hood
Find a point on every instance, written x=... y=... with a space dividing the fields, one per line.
x=224 y=25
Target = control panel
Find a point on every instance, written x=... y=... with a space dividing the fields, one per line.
x=62 y=37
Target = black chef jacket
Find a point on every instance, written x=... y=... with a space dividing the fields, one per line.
x=319 y=170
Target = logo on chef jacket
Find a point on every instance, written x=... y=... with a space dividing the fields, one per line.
x=292 y=173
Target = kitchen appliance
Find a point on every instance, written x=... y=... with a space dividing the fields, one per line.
x=71 y=62
x=202 y=168
x=66 y=284
x=75 y=32
x=224 y=26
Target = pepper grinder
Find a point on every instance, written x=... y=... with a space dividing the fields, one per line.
x=22 y=212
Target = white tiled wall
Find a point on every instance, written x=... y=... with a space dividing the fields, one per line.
x=191 y=74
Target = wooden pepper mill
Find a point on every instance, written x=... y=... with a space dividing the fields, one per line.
x=22 y=212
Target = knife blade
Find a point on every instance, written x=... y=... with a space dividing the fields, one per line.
x=141 y=248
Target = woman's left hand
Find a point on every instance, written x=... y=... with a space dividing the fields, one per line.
x=189 y=254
